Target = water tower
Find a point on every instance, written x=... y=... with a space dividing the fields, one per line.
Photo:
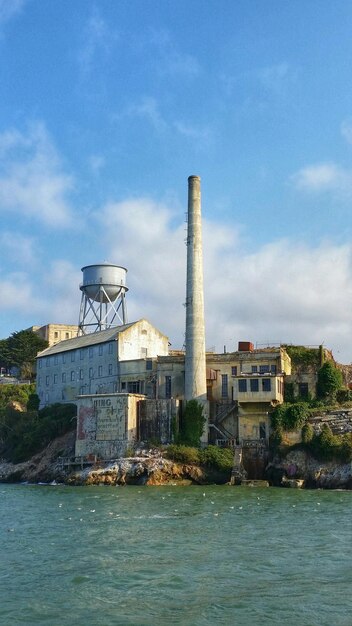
x=103 y=298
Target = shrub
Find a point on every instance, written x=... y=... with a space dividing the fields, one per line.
x=329 y=381
x=192 y=425
x=289 y=416
x=219 y=458
x=307 y=433
x=182 y=454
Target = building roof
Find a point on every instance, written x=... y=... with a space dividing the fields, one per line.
x=91 y=339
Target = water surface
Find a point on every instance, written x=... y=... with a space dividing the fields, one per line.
x=82 y=556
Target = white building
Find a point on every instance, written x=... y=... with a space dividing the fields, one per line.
x=91 y=363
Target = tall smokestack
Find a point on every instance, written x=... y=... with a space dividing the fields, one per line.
x=195 y=365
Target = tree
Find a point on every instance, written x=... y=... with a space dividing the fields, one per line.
x=20 y=350
x=329 y=381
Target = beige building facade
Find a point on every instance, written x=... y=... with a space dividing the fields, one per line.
x=54 y=333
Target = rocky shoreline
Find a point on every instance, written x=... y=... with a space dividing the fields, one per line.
x=148 y=467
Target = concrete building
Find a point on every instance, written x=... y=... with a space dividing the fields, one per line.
x=54 y=333
x=242 y=387
x=91 y=363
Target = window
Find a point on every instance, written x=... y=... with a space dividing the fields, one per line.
x=63 y=395
x=224 y=386
x=266 y=383
x=273 y=369
x=90 y=352
x=242 y=385
x=67 y=335
x=262 y=430
x=81 y=375
x=56 y=359
x=264 y=369
x=110 y=348
x=254 y=384
x=234 y=370
x=81 y=355
x=63 y=377
x=56 y=334
x=64 y=358
x=303 y=391
x=81 y=391
x=123 y=386
x=254 y=369
x=133 y=386
x=110 y=369
x=73 y=356
x=100 y=350
x=46 y=397
x=47 y=361
x=47 y=380
x=90 y=372
x=100 y=370
x=149 y=365
x=40 y=363
x=167 y=386
x=55 y=379
x=73 y=375
x=39 y=380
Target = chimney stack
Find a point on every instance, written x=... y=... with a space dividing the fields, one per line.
x=195 y=364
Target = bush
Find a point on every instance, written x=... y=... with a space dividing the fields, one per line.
x=329 y=381
x=307 y=433
x=289 y=416
x=183 y=454
x=220 y=458
x=192 y=425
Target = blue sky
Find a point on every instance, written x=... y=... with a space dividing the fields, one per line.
x=107 y=107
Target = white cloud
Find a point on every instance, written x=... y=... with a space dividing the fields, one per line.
x=323 y=177
x=9 y=9
x=98 y=39
x=96 y=163
x=283 y=292
x=32 y=181
x=276 y=77
x=170 y=60
x=17 y=248
x=346 y=130
x=148 y=108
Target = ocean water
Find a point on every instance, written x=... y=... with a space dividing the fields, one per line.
x=80 y=556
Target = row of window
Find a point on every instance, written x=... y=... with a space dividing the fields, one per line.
x=80 y=354
x=73 y=375
x=244 y=385
x=138 y=386
x=262 y=369
x=254 y=384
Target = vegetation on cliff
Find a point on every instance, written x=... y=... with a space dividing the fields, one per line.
x=211 y=456
x=25 y=430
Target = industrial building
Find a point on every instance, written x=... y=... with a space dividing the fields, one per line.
x=129 y=386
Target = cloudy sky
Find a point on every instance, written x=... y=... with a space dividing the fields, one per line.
x=108 y=106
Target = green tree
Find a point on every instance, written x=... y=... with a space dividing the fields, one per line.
x=23 y=346
x=329 y=381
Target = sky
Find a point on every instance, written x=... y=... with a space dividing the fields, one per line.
x=108 y=106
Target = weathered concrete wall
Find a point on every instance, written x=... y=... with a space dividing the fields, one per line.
x=142 y=340
x=106 y=424
x=155 y=419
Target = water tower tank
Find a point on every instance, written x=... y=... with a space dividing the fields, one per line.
x=103 y=297
x=103 y=282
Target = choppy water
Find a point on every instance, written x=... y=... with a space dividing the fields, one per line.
x=159 y=555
